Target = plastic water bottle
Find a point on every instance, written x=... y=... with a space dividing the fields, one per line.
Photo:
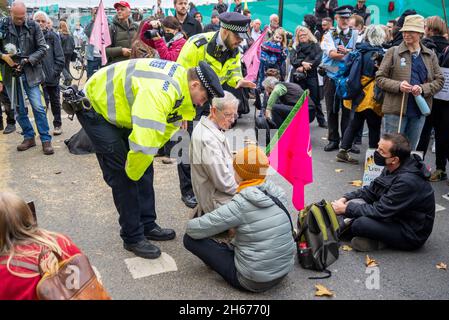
x=305 y=255
x=422 y=105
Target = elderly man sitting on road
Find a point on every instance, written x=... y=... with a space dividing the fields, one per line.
x=211 y=158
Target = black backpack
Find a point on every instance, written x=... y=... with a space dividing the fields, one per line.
x=318 y=242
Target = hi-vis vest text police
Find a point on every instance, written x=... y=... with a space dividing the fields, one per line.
x=195 y=50
x=149 y=96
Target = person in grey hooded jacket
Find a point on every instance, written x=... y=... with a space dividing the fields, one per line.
x=263 y=250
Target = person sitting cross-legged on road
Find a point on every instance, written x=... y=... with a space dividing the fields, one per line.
x=398 y=208
x=263 y=251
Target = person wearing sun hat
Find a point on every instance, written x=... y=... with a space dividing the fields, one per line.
x=263 y=250
x=408 y=70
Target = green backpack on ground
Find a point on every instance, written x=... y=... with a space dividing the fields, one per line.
x=318 y=243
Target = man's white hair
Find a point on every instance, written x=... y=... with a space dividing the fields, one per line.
x=270 y=82
x=40 y=13
x=257 y=20
x=228 y=100
x=274 y=15
x=375 y=35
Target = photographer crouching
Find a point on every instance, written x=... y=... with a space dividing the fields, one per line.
x=23 y=49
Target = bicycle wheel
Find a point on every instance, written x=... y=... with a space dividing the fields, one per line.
x=77 y=68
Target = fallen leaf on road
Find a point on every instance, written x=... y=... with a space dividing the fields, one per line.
x=58 y=172
x=322 y=291
x=346 y=248
x=34 y=177
x=441 y=266
x=356 y=183
x=370 y=262
x=338 y=170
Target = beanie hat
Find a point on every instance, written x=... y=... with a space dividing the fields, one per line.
x=251 y=163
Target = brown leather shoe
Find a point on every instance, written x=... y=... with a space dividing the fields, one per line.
x=26 y=144
x=47 y=148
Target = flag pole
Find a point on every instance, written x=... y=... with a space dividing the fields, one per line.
x=281 y=12
x=445 y=15
x=402 y=112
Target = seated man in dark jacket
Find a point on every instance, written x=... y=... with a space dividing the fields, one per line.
x=398 y=208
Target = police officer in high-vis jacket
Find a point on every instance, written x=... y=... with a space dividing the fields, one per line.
x=220 y=50
x=137 y=105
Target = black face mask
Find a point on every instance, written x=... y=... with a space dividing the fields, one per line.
x=379 y=160
x=168 y=36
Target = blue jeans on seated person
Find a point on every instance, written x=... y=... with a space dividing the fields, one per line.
x=35 y=96
x=411 y=127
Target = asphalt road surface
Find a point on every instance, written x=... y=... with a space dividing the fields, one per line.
x=71 y=197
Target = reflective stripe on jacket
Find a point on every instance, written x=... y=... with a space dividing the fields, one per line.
x=142 y=95
x=195 y=50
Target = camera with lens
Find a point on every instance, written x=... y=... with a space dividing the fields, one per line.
x=153 y=33
x=17 y=71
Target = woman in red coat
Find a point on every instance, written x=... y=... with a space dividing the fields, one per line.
x=169 y=46
x=22 y=241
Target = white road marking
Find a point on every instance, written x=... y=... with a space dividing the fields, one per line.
x=439 y=208
x=446 y=196
x=140 y=268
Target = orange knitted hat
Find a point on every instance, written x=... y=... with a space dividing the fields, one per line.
x=251 y=162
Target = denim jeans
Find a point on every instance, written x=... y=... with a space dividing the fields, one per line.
x=35 y=97
x=93 y=66
x=411 y=127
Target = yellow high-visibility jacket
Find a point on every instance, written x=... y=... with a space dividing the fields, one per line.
x=195 y=50
x=143 y=95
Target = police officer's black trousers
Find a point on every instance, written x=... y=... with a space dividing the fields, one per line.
x=134 y=200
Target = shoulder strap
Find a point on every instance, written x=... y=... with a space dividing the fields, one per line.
x=22 y=264
x=280 y=205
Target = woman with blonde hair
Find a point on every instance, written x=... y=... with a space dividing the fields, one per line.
x=305 y=59
x=68 y=46
x=21 y=245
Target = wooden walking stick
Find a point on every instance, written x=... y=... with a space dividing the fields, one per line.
x=402 y=111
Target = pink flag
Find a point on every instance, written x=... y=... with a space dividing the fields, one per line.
x=100 y=36
x=251 y=58
x=290 y=151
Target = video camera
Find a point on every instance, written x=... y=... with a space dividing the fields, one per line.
x=74 y=100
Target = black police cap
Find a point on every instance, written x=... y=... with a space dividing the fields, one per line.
x=210 y=81
x=235 y=22
x=344 y=11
